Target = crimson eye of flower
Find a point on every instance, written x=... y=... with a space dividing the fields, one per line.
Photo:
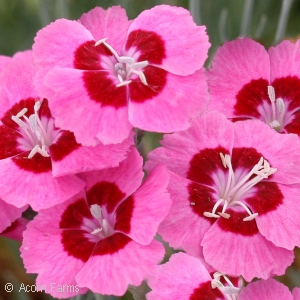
x=236 y=187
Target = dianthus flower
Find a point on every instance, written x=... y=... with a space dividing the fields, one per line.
x=102 y=238
x=33 y=149
x=235 y=192
x=118 y=74
x=184 y=277
x=248 y=82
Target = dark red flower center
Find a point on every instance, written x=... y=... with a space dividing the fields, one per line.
x=108 y=74
x=97 y=226
x=233 y=189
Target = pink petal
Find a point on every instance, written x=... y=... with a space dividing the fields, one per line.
x=265 y=290
x=43 y=253
x=114 y=273
x=64 y=36
x=210 y=130
x=84 y=159
x=151 y=205
x=180 y=99
x=15 y=231
x=282 y=151
x=89 y=121
x=8 y=214
x=183 y=44
x=235 y=64
x=296 y=293
x=12 y=90
x=111 y=23
x=4 y=61
x=39 y=85
x=20 y=187
x=246 y=255
x=285 y=59
x=281 y=226
x=183 y=228
x=127 y=177
x=178 y=278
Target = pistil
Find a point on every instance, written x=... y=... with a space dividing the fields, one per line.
x=278 y=110
x=234 y=191
x=231 y=292
x=126 y=66
x=104 y=229
x=33 y=129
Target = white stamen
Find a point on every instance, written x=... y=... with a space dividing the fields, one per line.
x=37 y=106
x=139 y=65
x=230 y=291
x=123 y=83
x=32 y=122
x=33 y=151
x=125 y=66
x=271 y=93
x=100 y=41
x=280 y=105
x=193 y=203
x=43 y=152
x=96 y=211
x=97 y=230
x=120 y=78
x=142 y=77
x=251 y=217
x=126 y=60
x=223 y=160
x=224 y=215
x=19 y=122
x=210 y=215
x=22 y=113
x=274 y=124
x=33 y=131
x=233 y=192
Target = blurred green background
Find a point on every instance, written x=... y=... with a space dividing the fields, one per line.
x=224 y=19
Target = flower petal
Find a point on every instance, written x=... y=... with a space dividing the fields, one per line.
x=115 y=272
x=107 y=124
x=20 y=187
x=151 y=203
x=266 y=290
x=84 y=159
x=56 y=43
x=111 y=23
x=186 y=45
x=235 y=65
x=176 y=100
x=249 y=254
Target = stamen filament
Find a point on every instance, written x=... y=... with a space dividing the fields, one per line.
x=126 y=66
x=233 y=192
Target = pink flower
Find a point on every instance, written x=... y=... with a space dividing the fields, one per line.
x=234 y=188
x=248 y=82
x=121 y=74
x=185 y=277
x=101 y=239
x=33 y=149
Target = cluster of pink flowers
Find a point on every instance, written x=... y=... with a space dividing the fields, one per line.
x=222 y=190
